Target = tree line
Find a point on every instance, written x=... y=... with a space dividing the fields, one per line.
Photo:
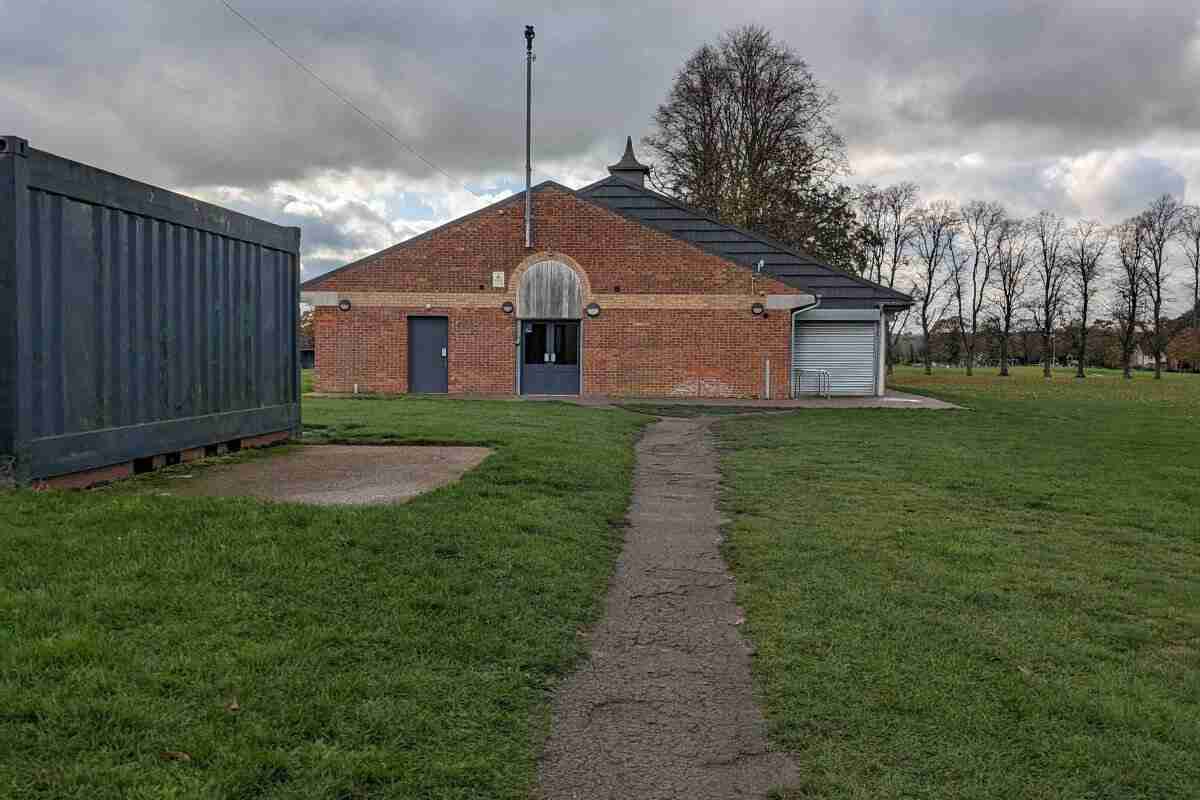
x=746 y=132
x=980 y=273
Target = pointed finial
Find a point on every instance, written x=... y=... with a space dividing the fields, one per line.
x=629 y=168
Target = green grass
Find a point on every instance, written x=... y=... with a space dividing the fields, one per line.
x=1000 y=602
x=380 y=652
x=688 y=410
x=308 y=379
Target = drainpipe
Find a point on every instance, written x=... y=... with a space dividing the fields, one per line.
x=884 y=344
x=792 y=333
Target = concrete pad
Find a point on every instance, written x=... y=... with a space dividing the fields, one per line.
x=334 y=474
x=891 y=399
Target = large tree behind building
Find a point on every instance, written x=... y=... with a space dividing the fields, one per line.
x=746 y=132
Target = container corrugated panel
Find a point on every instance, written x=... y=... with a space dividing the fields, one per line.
x=848 y=351
x=145 y=322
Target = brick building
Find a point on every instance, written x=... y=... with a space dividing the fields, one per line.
x=622 y=292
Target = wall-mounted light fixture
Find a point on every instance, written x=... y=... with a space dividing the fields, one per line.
x=344 y=304
x=507 y=307
x=593 y=310
x=757 y=309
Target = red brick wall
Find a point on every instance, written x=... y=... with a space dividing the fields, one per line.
x=708 y=353
x=716 y=352
x=369 y=347
x=611 y=249
x=683 y=353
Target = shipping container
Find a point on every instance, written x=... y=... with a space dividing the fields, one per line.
x=135 y=322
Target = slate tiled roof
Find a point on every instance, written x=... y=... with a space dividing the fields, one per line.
x=838 y=289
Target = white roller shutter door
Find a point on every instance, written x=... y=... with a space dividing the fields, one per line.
x=848 y=351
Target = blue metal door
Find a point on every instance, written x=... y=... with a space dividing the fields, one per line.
x=428 y=340
x=550 y=357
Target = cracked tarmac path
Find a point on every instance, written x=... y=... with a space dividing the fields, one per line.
x=664 y=707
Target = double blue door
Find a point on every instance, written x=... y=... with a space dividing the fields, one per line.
x=550 y=357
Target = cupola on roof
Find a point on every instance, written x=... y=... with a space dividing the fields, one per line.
x=629 y=168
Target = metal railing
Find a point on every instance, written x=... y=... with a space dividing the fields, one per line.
x=822 y=376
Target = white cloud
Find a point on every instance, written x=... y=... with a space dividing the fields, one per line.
x=1114 y=184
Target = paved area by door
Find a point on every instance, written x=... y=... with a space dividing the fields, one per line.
x=664 y=707
x=891 y=399
x=333 y=474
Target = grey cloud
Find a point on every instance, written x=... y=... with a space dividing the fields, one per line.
x=312 y=266
x=331 y=236
x=182 y=94
x=1117 y=186
x=1066 y=76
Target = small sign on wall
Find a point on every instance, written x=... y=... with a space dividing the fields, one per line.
x=498 y=280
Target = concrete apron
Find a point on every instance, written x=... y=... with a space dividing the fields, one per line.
x=334 y=474
x=664 y=707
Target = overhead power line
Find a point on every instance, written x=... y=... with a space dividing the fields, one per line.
x=386 y=130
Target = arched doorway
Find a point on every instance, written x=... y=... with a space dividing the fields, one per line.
x=549 y=303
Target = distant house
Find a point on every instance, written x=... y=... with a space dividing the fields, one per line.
x=308 y=352
x=618 y=290
x=1141 y=358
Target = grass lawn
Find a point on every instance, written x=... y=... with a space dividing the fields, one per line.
x=687 y=410
x=1001 y=602
x=300 y=652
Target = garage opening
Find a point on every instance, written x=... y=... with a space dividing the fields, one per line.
x=835 y=357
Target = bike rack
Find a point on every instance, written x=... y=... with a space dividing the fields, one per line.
x=822 y=376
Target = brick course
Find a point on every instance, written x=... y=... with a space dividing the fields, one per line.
x=676 y=319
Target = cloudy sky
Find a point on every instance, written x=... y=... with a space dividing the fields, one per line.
x=1082 y=107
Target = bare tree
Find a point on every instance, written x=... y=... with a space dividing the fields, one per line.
x=1191 y=248
x=1087 y=241
x=1012 y=272
x=1128 y=287
x=887 y=217
x=937 y=227
x=1162 y=223
x=306 y=325
x=971 y=276
x=747 y=132
x=1049 y=235
x=888 y=220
